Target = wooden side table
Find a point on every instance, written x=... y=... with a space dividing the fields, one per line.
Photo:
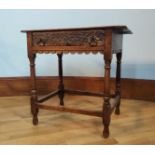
x=106 y=40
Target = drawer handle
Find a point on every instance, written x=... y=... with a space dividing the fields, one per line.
x=42 y=42
x=93 y=41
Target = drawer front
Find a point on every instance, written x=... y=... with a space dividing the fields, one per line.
x=83 y=38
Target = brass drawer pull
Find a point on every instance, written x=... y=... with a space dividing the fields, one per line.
x=93 y=41
x=42 y=42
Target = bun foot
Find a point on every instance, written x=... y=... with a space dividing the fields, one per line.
x=117 y=111
x=35 y=121
x=61 y=102
x=106 y=133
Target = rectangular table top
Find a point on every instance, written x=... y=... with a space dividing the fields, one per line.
x=119 y=28
x=77 y=40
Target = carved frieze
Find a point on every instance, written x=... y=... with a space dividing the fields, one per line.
x=89 y=38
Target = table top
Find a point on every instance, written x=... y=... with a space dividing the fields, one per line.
x=77 y=39
x=123 y=29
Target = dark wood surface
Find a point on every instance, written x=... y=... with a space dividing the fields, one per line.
x=106 y=39
x=69 y=38
x=120 y=28
x=73 y=110
x=61 y=82
x=76 y=40
x=48 y=96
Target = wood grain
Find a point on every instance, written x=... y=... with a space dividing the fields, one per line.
x=131 y=88
x=131 y=127
x=123 y=29
x=69 y=38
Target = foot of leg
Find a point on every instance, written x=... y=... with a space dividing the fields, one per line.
x=106 y=117
x=34 y=111
x=35 y=120
x=106 y=132
x=61 y=97
x=117 y=110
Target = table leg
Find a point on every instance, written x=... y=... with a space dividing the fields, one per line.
x=61 y=85
x=34 y=108
x=118 y=81
x=106 y=105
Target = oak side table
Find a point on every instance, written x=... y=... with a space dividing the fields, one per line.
x=106 y=40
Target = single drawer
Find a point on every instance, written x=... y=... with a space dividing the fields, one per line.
x=83 y=38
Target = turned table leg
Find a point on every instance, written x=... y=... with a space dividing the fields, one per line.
x=61 y=85
x=34 y=108
x=106 y=105
x=118 y=81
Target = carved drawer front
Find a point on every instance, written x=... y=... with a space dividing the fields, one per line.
x=86 y=38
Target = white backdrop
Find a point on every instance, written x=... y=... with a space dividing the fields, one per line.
x=138 y=54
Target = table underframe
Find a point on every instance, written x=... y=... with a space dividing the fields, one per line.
x=108 y=106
